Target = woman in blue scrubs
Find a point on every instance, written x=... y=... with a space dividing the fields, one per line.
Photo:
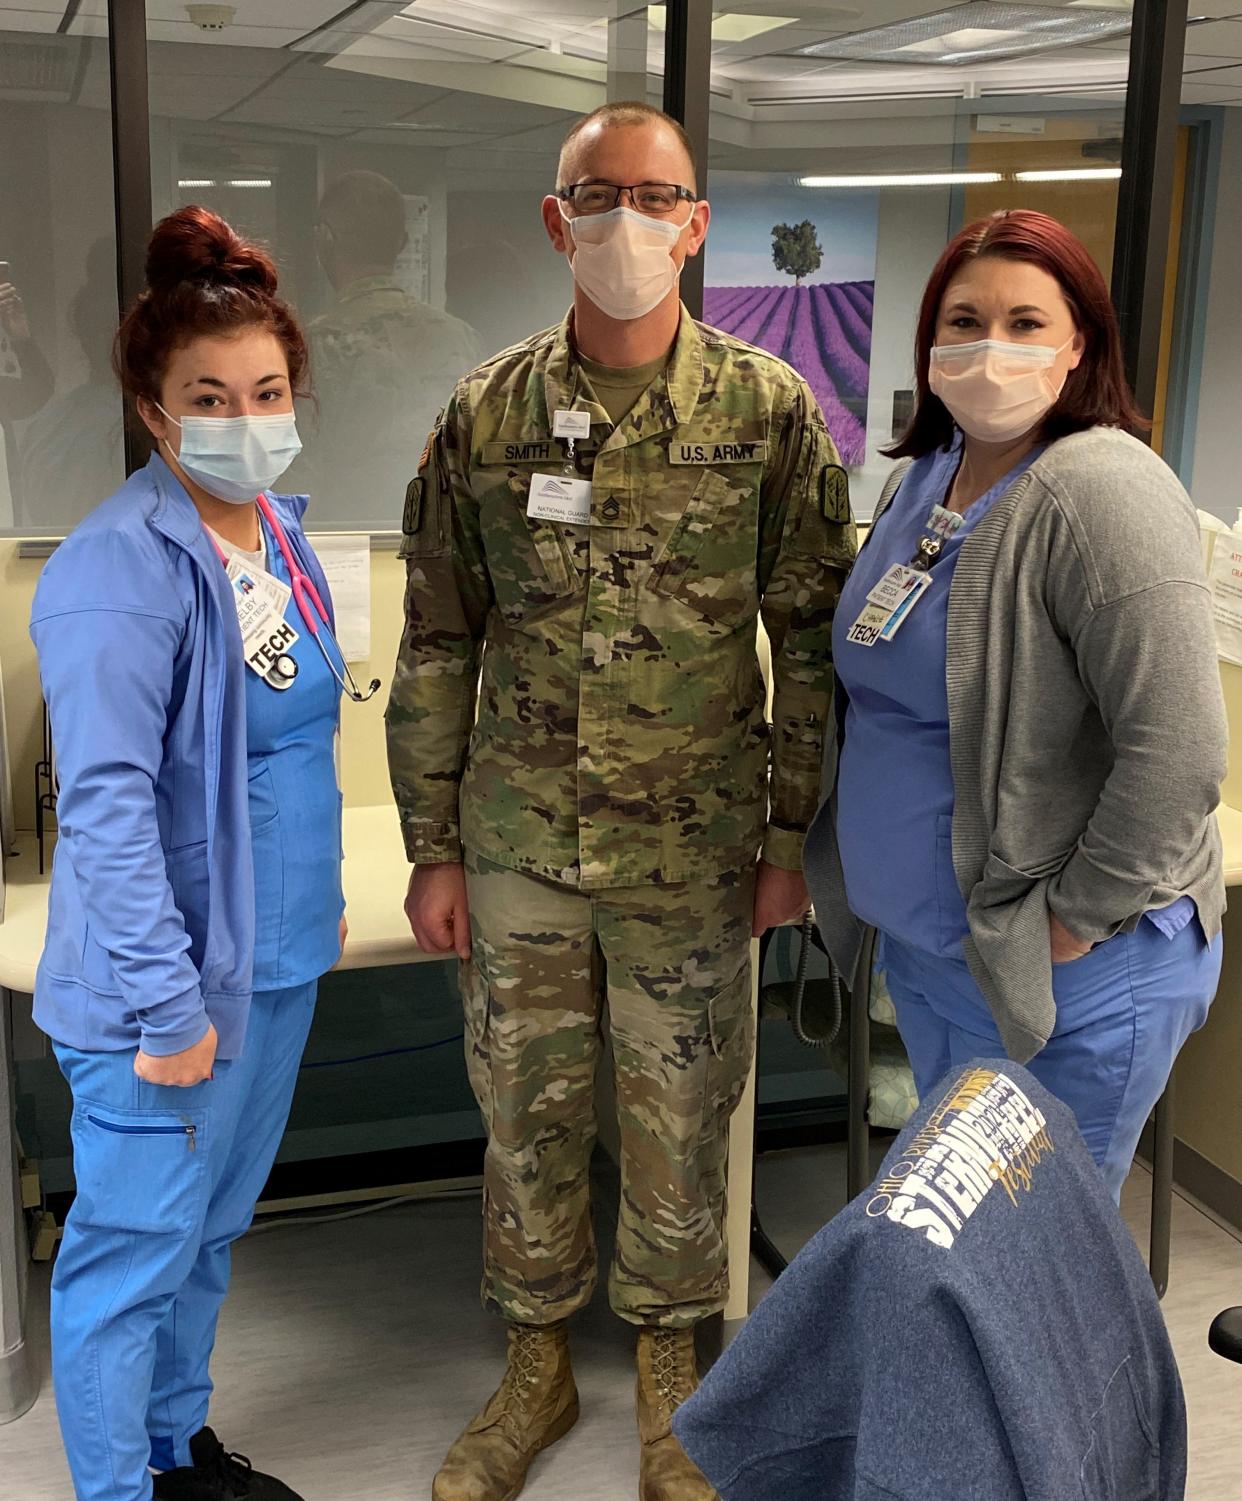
x=196 y=892
x=1032 y=733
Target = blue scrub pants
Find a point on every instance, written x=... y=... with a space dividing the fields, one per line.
x=1123 y=1012
x=167 y=1179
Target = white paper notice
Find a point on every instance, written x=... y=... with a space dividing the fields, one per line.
x=346 y=560
x=1227 y=595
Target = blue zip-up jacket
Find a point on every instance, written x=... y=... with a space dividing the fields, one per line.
x=151 y=919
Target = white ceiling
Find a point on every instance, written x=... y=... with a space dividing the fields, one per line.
x=492 y=81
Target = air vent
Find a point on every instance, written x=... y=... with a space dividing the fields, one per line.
x=45 y=68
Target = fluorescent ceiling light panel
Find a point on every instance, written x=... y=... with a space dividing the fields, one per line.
x=900 y=179
x=229 y=182
x=729 y=28
x=1069 y=174
x=981 y=30
x=725 y=28
x=968 y=39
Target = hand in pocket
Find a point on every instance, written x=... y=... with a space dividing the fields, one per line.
x=180 y=1069
x=1065 y=947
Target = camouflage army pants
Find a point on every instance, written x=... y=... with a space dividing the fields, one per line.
x=667 y=970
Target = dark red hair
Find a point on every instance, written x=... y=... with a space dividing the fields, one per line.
x=1095 y=393
x=203 y=279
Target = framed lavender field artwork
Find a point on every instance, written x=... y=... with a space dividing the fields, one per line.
x=793 y=270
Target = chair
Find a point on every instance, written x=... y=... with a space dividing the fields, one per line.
x=988 y=1293
x=1225 y=1335
x=858 y=1142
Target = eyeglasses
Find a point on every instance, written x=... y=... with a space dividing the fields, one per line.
x=647 y=197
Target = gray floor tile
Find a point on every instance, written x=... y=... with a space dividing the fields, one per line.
x=351 y=1354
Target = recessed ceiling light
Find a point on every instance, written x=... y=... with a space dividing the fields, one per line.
x=977 y=31
x=900 y=179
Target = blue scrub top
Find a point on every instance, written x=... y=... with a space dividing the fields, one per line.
x=295 y=812
x=895 y=790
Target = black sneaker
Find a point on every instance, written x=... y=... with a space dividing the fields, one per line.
x=218 y=1476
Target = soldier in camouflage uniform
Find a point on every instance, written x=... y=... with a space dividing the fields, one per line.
x=381 y=359
x=585 y=834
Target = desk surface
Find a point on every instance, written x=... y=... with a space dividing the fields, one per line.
x=376 y=874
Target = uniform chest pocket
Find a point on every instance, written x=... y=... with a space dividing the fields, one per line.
x=709 y=561
x=529 y=560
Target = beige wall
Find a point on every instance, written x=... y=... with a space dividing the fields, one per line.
x=363 y=762
x=1209 y=1099
x=22 y=699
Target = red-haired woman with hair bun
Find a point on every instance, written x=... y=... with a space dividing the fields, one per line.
x=185 y=645
x=1032 y=736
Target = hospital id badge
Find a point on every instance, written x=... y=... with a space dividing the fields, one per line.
x=266 y=635
x=558 y=497
x=278 y=594
x=889 y=605
x=922 y=582
x=895 y=585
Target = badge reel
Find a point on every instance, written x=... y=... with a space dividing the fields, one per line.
x=890 y=604
x=563 y=497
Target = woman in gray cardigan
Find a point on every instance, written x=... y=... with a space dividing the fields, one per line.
x=1032 y=735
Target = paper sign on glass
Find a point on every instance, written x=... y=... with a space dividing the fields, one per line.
x=1226 y=579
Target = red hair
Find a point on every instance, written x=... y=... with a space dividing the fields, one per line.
x=1095 y=393
x=203 y=280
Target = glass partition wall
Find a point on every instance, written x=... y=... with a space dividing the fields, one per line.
x=849 y=144
x=393 y=152
x=60 y=414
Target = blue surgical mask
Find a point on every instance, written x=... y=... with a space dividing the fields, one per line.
x=237 y=458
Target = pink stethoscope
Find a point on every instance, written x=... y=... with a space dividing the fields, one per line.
x=314 y=616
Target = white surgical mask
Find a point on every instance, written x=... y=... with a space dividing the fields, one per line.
x=237 y=458
x=621 y=260
x=996 y=391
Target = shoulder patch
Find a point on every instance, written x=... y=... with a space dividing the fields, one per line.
x=834 y=494
x=413 y=516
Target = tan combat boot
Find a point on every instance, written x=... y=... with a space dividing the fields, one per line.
x=537 y=1403
x=667 y=1375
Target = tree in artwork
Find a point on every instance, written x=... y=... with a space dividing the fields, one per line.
x=796 y=250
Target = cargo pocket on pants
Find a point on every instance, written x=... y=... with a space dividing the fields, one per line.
x=139 y=1170
x=476 y=1001
x=731 y=1024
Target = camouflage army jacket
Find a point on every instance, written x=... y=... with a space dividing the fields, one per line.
x=619 y=732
